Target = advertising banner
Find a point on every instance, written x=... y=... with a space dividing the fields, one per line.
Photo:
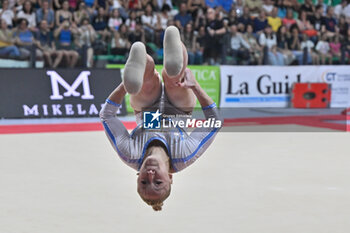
x=270 y=86
x=36 y=93
x=207 y=76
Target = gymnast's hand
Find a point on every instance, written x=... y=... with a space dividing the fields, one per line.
x=188 y=81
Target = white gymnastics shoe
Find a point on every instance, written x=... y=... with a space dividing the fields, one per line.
x=173 y=52
x=135 y=68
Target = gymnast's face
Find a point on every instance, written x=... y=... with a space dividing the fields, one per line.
x=154 y=180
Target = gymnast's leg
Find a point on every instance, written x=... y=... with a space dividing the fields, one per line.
x=175 y=63
x=141 y=80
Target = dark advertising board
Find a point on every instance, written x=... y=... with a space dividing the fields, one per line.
x=39 y=93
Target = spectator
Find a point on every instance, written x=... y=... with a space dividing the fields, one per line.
x=86 y=37
x=81 y=13
x=268 y=39
x=189 y=39
x=200 y=43
x=115 y=21
x=282 y=10
x=46 y=13
x=245 y=19
x=273 y=20
x=64 y=36
x=214 y=36
x=288 y=21
x=194 y=5
x=64 y=14
x=42 y=1
x=104 y=4
x=343 y=26
x=330 y=22
x=138 y=34
x=312 y=57
x=133 y=4
x=335 y=47
x=225 y=5
x=182 y=18
x=28 y=14
x=268 y=6
x=25 y=40
x=121 y=6
x=254 y=6
x=339 y=9
x=304 y=25
x=282 y=45
x=149 y=21
x=239 y=7
x=239 y=49
x=7 y=47
x=212 y=3
x=100 y=25
x=317 y=20
x=232 y=17
x=323 y=49
x=294 y=44
x=120 y=42
x=131 y=21
x=161 y=3
x=260 y=22
x=345 y=51
x=162 y=23
x=200 y=19
x=6 y=13
x=256 y=50
x=46 y=43
x=308 y=7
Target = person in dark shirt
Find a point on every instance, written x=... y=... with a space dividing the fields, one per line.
x=345 y=51
x=47 y=45
x=308 y=7
x=100 y=24
x=214 y=37
x=317 y=20
x=330 y=22
x=260 y=22
x=244 y=20
x=182 y=18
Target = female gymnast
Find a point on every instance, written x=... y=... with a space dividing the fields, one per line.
x=157 y=154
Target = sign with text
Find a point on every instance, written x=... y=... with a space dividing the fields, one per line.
x=36 y=93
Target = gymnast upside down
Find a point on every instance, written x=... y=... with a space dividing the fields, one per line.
x=156 y=155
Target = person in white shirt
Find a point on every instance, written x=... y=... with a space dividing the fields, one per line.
x=239 y=47
x=312 y=56
x=28 y=14
x=323 y=49
x=6 y=13
x=269 y=40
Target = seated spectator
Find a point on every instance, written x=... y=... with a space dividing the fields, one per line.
x=335 y=47
x=161 y=3
x=200 y=43
x=28 y=13
x=46 y=13
x=282 y=45
x=256 y=50
x=64 y=36
x=339 y=9
x=244 y=20
x=7 y=47
x=260 y=22
x=239 y=49
x=7 y=13
x=282 y=9
x=85 y=38
x=305 y=26
x=254 y=6
x=312 y=57
x=294 y=44
x=189 y=39
x=115 y=21
x=121 y=6
x=149 y=21
x=138 y=34
x=268 y=39
x=131 y=21
x=231 y=18
x=200 y=19
x=81 y=13
x=105 y=4
x=182 y=18
x=100 y=24
x=330 y=22
x=288 y=21
x=273 y=20
x=214 y=38
x=131 y=4
x=323 y=50
x=308 y=7
x=46 y=43
x=120 y=42
x=343 y=26
x=162 y=23
x=239 y=5
x=268 y=6
x=317 y=20
x=194 y=5
x=64 y=14
x=225 y=5
x=25 y=40
x=345 y=50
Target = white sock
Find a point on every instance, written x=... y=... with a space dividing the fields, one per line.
x=135 y=68
x=173 y=54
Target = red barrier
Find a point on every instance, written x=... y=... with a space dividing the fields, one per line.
x=311 y=95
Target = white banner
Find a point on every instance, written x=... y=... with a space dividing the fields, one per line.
x=270 y=86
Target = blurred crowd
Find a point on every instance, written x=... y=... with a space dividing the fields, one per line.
x=243 y=32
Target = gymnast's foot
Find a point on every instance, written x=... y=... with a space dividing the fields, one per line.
x=135 y=68
x=173 y=52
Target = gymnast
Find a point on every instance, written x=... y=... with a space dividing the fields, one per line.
x=157 y=154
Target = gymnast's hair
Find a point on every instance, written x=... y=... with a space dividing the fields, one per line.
x=157 y=204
